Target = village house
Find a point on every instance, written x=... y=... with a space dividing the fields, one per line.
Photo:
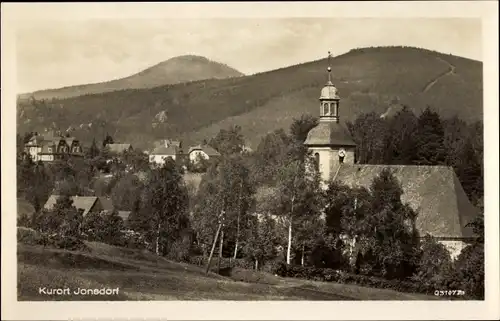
x=169 y=148
x=88 y=204
x=434 y=192
x=196 y=153
x=51 y=147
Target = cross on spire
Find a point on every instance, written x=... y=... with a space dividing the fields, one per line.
x=329 y=68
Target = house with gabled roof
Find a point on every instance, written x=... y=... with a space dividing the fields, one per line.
x=88 y=204
x=202 y=151
x=51 y=147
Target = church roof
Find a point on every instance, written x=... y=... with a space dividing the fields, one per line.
x=435 y=192
x=329 y=133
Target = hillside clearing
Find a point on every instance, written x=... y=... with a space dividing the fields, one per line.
x=140 y=275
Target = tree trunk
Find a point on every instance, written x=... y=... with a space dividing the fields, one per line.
x=289 y=250
x=238 y=223
x=213 y=248
x=220 y=250
x=158 y=240
x=302 y=258
x=256 y=264
x=237 y=238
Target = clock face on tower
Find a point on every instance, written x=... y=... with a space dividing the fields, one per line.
x=342 y=152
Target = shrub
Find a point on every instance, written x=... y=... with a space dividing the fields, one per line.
x=24 y=220
x=29 y=236
x=470 y=270
x=32 y=237
x=435 y=265
x=331 y=275
x=179 y=250
x=134 y=240
x=67 y=242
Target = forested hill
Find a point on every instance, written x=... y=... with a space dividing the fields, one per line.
x=370 y=79
x=172 y=71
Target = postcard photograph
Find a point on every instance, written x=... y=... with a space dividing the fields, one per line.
x=235 y=158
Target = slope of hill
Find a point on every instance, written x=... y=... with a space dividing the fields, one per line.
x=141 y=275
x=173 y=71
x=370 y=79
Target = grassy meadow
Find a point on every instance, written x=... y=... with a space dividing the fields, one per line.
x=141 y=275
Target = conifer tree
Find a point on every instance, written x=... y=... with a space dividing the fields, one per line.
x=107 y=140
x=400 y=138
x=430 y=149
x=112 y=227
x=93 y=150
x=393 y=236
x=469 y=173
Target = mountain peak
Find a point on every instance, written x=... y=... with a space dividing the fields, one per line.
x=180 y=69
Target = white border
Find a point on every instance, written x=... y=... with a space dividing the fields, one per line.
x=220 y=310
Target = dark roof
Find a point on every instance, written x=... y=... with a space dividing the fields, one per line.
x=163 y=150
x=209 y=150
x=329 y=133
x=118 y=148
x=70 y=140
x=434 y=191
x=107 y=203
x=50 y=139
x=84 y=203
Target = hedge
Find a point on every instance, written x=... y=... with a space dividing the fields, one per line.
x=331 y=275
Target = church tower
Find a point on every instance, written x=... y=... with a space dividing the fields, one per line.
x=330 y=141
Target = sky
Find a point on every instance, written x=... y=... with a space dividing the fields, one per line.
x=58 y=53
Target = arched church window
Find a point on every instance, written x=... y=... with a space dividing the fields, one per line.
x=316 y=161
x=325 y=109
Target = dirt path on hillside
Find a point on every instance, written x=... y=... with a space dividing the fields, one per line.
x=450 y=71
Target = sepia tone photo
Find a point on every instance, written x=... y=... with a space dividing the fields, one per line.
x=250 y=159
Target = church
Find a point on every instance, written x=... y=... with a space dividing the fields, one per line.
x=434 y=192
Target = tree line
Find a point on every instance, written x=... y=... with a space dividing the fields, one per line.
x=408 y=139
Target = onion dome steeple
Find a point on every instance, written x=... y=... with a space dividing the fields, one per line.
x=329 y=99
